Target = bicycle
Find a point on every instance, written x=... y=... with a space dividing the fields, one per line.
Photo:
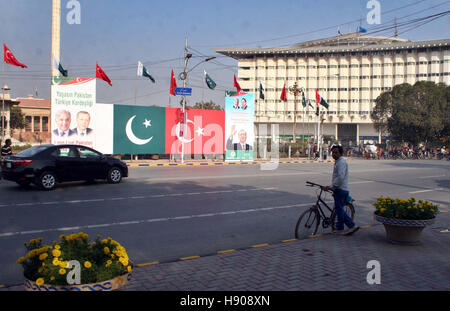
x=308 y=222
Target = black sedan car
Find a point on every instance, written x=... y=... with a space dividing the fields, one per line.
x=46 y=165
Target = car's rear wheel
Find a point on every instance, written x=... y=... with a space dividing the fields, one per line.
x=114 y=175
x=47 y=181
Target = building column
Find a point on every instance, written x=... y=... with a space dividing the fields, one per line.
x=357 y=134
x=336 y=132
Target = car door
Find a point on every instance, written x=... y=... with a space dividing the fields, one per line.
x=68 y=163
x=94 y=163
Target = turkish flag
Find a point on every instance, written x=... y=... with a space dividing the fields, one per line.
x=10 y=59
x=102 y=75
x=284 y=94
x=173 y=84
x=203 y=132
x=236 y=84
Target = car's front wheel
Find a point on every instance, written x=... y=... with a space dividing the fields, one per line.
x=47 y=181
x=114 y=175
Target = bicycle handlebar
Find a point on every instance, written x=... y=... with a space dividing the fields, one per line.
x=311 y=184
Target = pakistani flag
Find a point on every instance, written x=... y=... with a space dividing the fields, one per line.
x=142 y=72
x=211 y=84
x=139 y=130
x=57 y=66
x=261 y=90
x=303 y=100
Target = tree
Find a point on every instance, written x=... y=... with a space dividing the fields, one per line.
x=207 y=105
x=413 y=113
x=17 y=118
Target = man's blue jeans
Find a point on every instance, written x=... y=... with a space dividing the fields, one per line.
x=340 y=198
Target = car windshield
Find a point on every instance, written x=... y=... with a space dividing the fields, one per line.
x=32 y=151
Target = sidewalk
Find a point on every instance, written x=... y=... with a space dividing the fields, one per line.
x=195 y=162
x=326 y=262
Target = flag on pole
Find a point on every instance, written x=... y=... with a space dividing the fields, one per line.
x=209 y=82
x=261 y=90
x=284 y=94
x=102 y=75
x=309 y=104
x=142 y=72
x=320 y=100
x=303 y=100
x=173 y=84
x=9 y=58
x=362 y=29
x=57 y=66
x=236 y=84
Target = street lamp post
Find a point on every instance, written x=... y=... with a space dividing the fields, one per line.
x=295 y=91
x=4 y=88
x=183 y=76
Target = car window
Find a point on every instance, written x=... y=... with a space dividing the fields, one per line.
x=32 y=151
x=65 y=152
x=87 y=153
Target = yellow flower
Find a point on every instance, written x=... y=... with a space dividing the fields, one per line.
x=21 y=260
x=104 y=241
x=57 y=247
x=55 y=262
x=62 y=271
x=52 y=278
x=39 y=281
x=43 y=256
x=64 y=264
x=56 y=253
x=106 y=250
x=87 y=264
x=129 y=268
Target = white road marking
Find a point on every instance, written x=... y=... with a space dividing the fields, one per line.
x=132 y=198
x=432 y=176
x=360 y=182
x=135 y=222
x=428 y=190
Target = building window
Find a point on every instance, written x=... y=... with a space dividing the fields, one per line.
x=45 y=124
x=28 y=123
x=37 y=124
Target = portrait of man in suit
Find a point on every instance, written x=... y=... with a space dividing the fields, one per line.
x=63 y=120
x=244 y=104
x=83 y=120
x=242 y=145
x=236 y=103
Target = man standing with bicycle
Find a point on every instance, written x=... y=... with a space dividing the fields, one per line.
x=341 y=192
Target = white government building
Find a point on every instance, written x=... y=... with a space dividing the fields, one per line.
x=350 y=71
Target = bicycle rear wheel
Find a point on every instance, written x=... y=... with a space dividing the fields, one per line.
x=349 y=208
x=307 y=224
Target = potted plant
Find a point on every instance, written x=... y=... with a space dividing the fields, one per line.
x=75 y=264
x=404 y=220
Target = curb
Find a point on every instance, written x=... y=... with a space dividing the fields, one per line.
x=131 y=164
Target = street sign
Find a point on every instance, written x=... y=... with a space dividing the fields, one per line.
x=183 y=91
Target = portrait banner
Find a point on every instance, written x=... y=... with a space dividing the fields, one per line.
x=239 y=127
x=73 y=118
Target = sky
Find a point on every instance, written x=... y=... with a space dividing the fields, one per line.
x=119 y=33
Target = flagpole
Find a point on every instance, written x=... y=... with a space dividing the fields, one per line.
x=136 y=87
x=3 y=101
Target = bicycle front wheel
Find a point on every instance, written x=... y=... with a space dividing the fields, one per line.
x=307 y=224
x=349 y=208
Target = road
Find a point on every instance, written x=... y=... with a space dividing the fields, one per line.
x=166 y=213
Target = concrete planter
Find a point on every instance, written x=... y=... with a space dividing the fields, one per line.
x=403 y=231
x=109 y=285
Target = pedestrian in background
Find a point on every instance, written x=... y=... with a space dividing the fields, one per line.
x=6 y=149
